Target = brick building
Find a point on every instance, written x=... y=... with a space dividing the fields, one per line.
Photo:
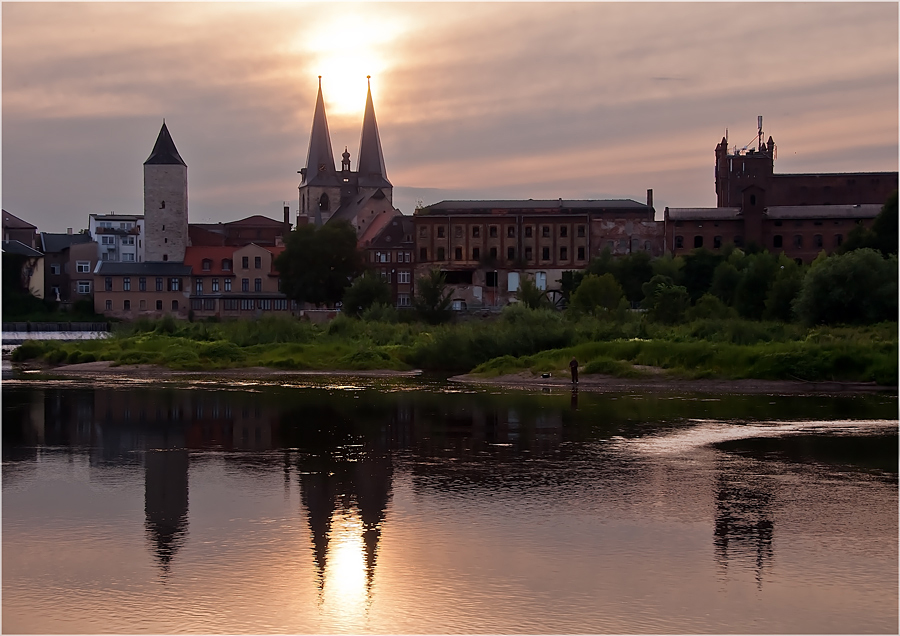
x=391 y=253
x=60 y=267
x=798 y=214
x=486 y=247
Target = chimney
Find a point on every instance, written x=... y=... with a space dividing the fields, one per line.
x=649 y=197
x=287 y=220
x=69 y=231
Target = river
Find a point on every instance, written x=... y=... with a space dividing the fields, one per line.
x=337 y=505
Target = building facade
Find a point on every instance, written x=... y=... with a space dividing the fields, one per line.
x=119 y=237
x=391 y=254
x=57 y=263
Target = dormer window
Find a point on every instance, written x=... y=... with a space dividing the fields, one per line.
x=207 y=264
x=226 y=264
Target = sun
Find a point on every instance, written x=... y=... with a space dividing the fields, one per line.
x=346 y=49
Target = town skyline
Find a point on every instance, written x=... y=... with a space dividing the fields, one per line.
x=628 y=98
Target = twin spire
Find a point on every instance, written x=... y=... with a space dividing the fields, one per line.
x=320 y=170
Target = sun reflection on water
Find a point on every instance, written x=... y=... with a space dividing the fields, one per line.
x=345 y=593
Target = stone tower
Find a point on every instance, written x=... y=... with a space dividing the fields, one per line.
x=320 y=187
x=165 y=202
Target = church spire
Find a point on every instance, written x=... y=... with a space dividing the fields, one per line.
x=164 y=151
x=370 y=164
x=320 y=160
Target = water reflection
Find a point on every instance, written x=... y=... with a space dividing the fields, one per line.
x=166 y=499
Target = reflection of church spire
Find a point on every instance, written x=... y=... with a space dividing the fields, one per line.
x=372 y=482
x=317 y=494
x=166 y=501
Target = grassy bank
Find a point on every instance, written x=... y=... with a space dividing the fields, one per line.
x=521 y=339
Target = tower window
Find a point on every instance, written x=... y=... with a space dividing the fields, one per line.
x=323 y=202
x=698 y=241
x=162 y=206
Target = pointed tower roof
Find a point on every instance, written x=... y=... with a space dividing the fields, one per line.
x=370 y=164
x=320 y=160
x=164 y=151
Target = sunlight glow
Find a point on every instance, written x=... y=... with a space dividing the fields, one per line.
x=345 y=575
x=344 y=51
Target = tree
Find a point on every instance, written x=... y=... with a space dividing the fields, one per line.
x=367 y=290
x=432 y=297
x=784 y=290
x=859 y=287
x=697 y=273
x=633 y=271
x=597 y=294
x=530 y=296
x=664 y=301
x=319 y=262
x=882 y=236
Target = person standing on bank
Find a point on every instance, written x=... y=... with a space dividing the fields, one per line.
x=573 y=365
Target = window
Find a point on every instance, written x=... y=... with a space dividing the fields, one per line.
x=777 y=223
x=403 y=277
x=108 y=305
x=817 y=240
x=257 y=284
x=159 y=286
x=545 y=231
x=104 y=224
x=679 y=242
x=476 y=253
x=493 y=252
x=540 y=280
x=264 y=304
x=142 y=284
x=199 y=286
x=798 y=240
x=257 y=262
x=403 y=300
x=196 y=303
x=528 y=231
x=511 y=231
x=838 y=239
x=54 y=291
x=490 y=279
x=107 y=284
x=440 y=253
x=174 y=284
x=127 y=305
x=54 y=269
x=230 y=303
x=817 y=223
x=440 y=231
x=457 y=253
x=245 y=262
x=580 y=231
x=738 y=241
x=245 y=284
x=545 y=253
x=512 y=282
x=563 y=253
x=717 y=242
x=83 y=267
x=126 y=284
x=247 y=304
x=226 y=264
x=476 y=231
x=280 y=304
x=174 y=305
x=128 y=256
x=777 y=240
x=127 y=240
x=228 y=284
x=215 y=284
x=698 y=241
x=423 y=232
x=528 y=254
x=107 y=240
x=457 y=305
x=580 y=253
x=510 y=253
x=158 y=305
x=207 y=264
x=84 y=287
x=563 y=231
x=492 y=231
x=423 y=254
x=143 y=304
x=752 y=199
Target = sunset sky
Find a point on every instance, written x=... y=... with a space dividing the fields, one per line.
x=473 y=100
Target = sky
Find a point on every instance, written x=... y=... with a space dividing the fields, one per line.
x=473 y=100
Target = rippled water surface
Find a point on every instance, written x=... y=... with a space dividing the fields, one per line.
x=322 y=506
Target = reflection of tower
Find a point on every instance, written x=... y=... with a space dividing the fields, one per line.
x=372 y=481
x=166 y=499
x=744 y=526
x=318 y=491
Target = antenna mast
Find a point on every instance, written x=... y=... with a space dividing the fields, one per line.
x=759 y=123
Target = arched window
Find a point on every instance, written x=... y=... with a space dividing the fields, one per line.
x=323 y=201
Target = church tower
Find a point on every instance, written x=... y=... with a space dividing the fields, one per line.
x=320 y=187
x=371 y=172
x=165 y=202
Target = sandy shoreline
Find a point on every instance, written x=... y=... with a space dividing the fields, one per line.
x=656 y=382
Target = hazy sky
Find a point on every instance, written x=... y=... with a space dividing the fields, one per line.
x=506 y=100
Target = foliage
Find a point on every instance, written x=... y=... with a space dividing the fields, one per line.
x=380 y=312
x=319 y=262
x=709 y=306
x=367 y=290
x=882 y=236
x=597 y=294
x=697 y=274
x=432 y=298
x=858 y=287
x=664 y=301
x=530 y=296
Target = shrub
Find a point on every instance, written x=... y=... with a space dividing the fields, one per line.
x=28 y=350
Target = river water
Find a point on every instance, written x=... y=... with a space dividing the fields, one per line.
x=420 y=506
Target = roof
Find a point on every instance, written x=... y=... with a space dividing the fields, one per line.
x=255 y=220
x=394 y=233
x=164 y=151
x=702 y=214
x=370 y=167
x=320 y=159
x=859 y=211
x=13 y=222
x=53 y=243
x=206 y=234
x=147 y=268
x=195 y=255
x=17 y=247
x=535 y=205
x=349 y=209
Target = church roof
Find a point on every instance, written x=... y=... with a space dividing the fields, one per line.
x=320 y=160
x=164 y=151
x=370 y=166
